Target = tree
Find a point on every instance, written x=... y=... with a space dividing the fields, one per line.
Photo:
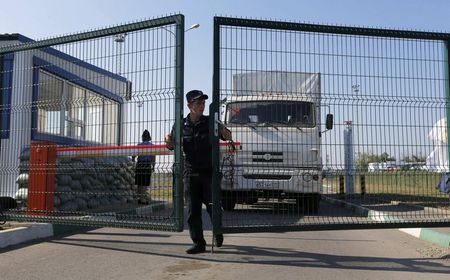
x=384 y=157
x=414 y=158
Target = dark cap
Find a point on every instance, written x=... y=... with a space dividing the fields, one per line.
x=195 y=94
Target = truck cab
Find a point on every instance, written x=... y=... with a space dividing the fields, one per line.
x=280 y=154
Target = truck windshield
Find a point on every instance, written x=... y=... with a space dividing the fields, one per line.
x=289 y=113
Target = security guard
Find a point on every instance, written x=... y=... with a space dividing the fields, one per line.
x=197 y=167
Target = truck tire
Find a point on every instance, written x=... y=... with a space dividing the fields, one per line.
x=251 y=199
x=309 y=203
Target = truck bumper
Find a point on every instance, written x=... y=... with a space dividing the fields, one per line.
x=279 y=181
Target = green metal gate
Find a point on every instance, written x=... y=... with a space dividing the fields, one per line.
x=337 y=127
x=73 y=110
x=333 y=127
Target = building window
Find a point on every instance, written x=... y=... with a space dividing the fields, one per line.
x=6 y=74
x=94 y=118
x=74 y=112
x=49 y=104
x=74 y=109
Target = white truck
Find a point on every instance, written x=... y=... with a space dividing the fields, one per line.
x=275 y=116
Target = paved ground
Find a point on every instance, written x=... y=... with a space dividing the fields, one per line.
x=108 y=253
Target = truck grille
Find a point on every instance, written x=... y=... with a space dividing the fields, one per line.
x=267 y=156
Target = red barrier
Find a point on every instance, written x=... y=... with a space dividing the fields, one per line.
x=41 y=181
x=156 y=150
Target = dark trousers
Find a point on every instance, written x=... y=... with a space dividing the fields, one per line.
x=198 y=191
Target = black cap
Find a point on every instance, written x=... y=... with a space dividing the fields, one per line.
x=195 y=94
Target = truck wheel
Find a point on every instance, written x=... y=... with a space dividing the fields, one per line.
x=251 y=198
x=312 y=204
x=228 y=202
x=309 y=203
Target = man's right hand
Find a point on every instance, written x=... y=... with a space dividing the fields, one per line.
x=169 y=142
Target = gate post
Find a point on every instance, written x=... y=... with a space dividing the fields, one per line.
x=447 y=95
x=214 y=135
x=348 y=157
x=41 y=182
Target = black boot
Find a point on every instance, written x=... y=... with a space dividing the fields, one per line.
x=196 y=249
x=219 y=240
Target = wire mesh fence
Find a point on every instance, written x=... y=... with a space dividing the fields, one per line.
x=333 y=127
x=73 y=114
x=339 y=127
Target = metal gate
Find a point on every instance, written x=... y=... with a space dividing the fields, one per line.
x=337 y=127
x=73 y=110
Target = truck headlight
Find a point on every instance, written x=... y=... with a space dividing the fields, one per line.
x=307 y=177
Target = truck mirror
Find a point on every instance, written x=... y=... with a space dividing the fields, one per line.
x=329 y=121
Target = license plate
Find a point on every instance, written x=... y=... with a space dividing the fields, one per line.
x=265 y=184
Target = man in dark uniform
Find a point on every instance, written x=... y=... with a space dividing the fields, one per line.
x=197 y=167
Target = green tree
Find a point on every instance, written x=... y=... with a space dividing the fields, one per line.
x=385 y=157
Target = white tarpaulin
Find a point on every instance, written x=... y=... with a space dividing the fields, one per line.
x=277 y=82
x=437 y=160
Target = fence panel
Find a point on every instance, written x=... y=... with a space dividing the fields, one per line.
x=278 y=86
x=73 y=110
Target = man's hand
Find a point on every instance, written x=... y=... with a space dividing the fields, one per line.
x=169 y=142
x=225 y=133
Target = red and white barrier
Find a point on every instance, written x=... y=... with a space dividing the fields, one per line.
x=135 y=150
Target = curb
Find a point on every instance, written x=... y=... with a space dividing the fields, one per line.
x=427 y=234
x=430 y=235
x=24 y=233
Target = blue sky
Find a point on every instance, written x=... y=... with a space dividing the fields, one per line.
x=50 y=18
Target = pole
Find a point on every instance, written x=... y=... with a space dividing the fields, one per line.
x=348 y=155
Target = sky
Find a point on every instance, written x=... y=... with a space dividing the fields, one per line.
x=51 y=18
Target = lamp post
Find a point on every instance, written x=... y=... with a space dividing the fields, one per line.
x=195 y=25
x=119 y=39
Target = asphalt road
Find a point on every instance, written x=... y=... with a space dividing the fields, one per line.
x=108 y=253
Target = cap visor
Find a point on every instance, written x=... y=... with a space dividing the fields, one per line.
x=204 y=96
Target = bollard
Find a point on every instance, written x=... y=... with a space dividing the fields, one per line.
x=341 y=186
x=362 y=180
